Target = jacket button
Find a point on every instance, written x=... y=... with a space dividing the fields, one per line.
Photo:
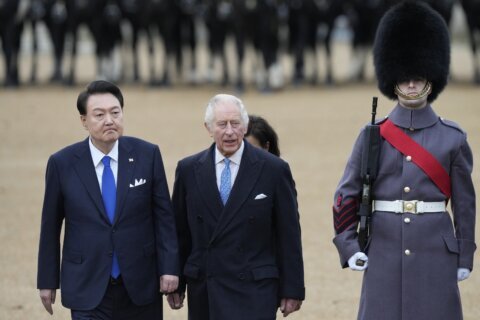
x=406 y=189
x=406 y=220
x=408 y=158
x=407 y=252
x=110 y=254
x=241 y=276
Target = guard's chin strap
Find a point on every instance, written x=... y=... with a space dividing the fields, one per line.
x=425 y=92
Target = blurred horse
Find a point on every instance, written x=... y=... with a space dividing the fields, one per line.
x=472 y=13
x=363 y=16
x=53 y=14
x=137 y=14
x=101 y=17
x=218 y=15
x=307 y=18
x=10 y=32
x=187 y=11
x=255 y=22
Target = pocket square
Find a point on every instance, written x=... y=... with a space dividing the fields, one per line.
x=260 y=196
x=138 y=182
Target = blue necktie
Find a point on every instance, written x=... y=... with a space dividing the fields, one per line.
x=225 y=181
x=109 y=195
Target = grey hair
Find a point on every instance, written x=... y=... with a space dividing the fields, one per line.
x=222 y=97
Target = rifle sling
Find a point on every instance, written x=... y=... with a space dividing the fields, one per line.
x=421 y=157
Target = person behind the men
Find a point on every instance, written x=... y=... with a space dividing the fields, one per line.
x=120 y=245
x=238 y=225
x=415 y=255
x=261 y=134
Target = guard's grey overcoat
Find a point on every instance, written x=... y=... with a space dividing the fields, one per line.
x=421 y=283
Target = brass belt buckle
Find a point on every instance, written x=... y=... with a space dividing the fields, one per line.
x=410 y=206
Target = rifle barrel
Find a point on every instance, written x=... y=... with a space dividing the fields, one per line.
x=374 y=109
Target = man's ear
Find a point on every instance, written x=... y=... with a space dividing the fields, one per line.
x=267 y=146
x=83 y=119
x=208 y=129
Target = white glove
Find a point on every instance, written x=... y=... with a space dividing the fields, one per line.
x=358 y=257
x=462 y=274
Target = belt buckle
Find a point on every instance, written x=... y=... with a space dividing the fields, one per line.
x=410 y=206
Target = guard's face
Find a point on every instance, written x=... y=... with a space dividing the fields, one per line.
x=412 y=88
x=227 y=129
x=103 y=121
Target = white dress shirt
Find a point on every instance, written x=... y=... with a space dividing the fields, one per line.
x=235 y=158
x=97 y=157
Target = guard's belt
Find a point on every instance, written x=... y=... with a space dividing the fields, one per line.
x=412 y=206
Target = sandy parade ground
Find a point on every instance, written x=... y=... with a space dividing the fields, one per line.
x=316 y=126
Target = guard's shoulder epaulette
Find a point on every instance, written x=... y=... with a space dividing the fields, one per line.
x=451 y=124
x=380 y=121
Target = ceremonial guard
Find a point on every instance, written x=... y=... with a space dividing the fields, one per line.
x=411 y=251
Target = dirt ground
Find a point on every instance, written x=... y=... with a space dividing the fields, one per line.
x=316 y=126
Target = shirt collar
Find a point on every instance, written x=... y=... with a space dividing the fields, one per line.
x=235 y=158
x=413 y=118
x=98 y=155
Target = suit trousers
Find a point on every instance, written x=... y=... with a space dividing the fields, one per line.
x=117 y=305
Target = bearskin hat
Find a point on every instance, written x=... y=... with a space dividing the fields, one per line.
x=412 y=41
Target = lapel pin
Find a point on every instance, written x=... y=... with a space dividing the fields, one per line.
x=130 y=159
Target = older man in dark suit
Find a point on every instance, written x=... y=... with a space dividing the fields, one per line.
x=238 y=225
x=120 y=246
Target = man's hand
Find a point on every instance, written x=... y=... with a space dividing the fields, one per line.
x=48 y=298
x=288 y=306
x=462 y=274
x=175 y=300
x=168 y=283
x=358 y=262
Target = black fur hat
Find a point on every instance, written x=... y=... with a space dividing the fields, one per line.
x=412 y=40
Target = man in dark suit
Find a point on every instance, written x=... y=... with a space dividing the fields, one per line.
x=238 y=225
x=120 y=246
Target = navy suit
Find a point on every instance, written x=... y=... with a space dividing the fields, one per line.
x=238 y=260
x=143 y=233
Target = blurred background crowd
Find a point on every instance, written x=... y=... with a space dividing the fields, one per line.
x=170 y=33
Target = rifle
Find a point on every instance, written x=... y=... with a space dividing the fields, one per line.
x=369 y=169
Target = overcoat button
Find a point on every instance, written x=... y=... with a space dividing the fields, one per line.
x=407 y=252
x=406 y=189
x=409 y=158
x=406 y=220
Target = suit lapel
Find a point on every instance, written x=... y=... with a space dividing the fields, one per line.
x=206 y=182
x=248 y=174
x=86 y=172
x=126 y=166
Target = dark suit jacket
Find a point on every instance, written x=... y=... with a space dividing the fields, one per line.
x=238 y=259
x=143 y=233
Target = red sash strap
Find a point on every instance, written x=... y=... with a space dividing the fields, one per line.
x=421 y=157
